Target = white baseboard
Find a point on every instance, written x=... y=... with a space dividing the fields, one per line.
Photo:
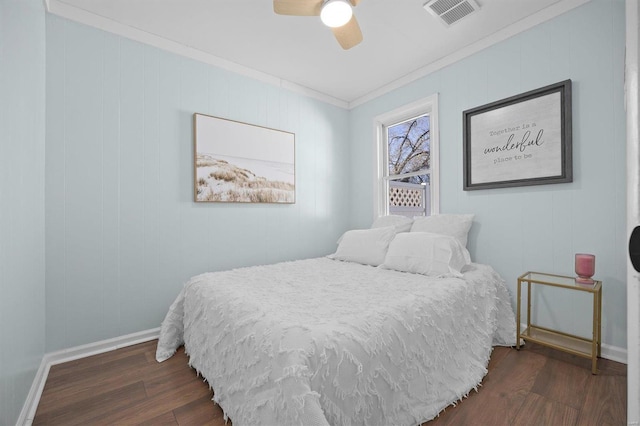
x=33 y=398
x=614 y=353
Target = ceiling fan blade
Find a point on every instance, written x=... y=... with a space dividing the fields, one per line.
x=297 y=7
x=355 y=2
x=349 y=34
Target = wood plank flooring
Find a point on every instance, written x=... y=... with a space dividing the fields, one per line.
x=533 y=386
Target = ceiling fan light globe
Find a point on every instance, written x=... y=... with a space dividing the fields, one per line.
x=336 y=13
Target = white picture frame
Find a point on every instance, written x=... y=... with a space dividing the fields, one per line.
x=236 y=162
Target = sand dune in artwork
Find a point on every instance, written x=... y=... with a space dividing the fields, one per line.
x=220 y=180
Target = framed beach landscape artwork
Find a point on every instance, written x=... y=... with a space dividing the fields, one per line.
x=242 y=163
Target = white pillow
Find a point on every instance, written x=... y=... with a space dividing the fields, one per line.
x=455 y=225
x=401 y=223
x=427 y=254
x=366 y=246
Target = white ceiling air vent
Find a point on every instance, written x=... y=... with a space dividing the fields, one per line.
x=451 y=11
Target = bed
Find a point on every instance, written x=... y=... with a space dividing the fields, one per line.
x=335 y=341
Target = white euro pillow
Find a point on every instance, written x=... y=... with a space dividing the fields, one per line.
x=366 y=246
x=455 y=225
x=399 y=222
x=427 y=254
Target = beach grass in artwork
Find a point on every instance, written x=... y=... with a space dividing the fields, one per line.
x=220 y=179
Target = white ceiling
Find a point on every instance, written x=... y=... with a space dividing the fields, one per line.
x=401 y=39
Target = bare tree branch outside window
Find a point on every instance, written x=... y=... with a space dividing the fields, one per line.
x=409 y=149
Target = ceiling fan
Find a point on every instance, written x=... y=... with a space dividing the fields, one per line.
x=336 y=14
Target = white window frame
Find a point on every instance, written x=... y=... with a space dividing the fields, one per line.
x=428 y=105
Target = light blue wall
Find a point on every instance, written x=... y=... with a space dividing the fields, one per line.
x=534 y=228
x=122 y=231
x=22 y=92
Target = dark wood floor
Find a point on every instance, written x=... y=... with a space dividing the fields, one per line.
x=535 y=386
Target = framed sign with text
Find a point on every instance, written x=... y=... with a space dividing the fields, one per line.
x=519 y=141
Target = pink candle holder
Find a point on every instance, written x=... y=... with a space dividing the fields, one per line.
x=585 y=268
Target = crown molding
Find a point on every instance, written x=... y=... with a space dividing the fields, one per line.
x=76 y=14
x=524 y=24
x=59 y=8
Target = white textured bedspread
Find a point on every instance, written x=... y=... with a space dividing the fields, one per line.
x=319 y=341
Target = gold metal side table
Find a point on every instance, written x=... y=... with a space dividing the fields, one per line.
x=576 y=345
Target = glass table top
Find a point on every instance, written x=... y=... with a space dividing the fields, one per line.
x=557 y=280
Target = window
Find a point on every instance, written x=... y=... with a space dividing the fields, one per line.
x=407 y=161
